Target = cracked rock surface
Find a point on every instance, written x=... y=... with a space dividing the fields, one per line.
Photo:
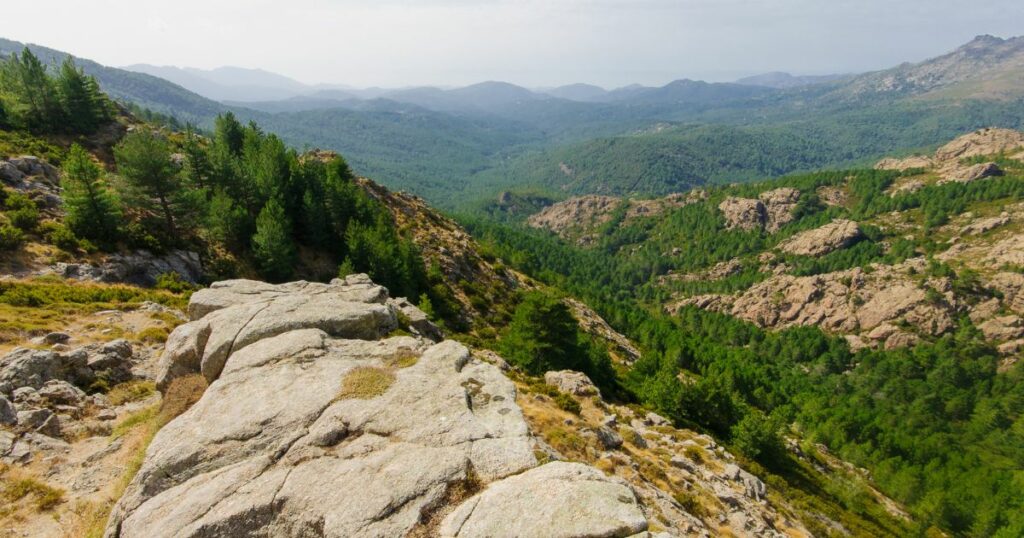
x=277 y=447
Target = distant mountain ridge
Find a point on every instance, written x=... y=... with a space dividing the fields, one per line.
x=986 y=67
x=228 y=83
x=780 y=80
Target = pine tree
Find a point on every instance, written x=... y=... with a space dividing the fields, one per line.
x=198 y=168
x=543 y=336
x=84 y=106
x=272 y=244
x=32 y=100
x=93 y=211
x=228 y=133
x=144 y=161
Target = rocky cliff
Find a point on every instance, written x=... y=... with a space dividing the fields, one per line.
x=317 y=423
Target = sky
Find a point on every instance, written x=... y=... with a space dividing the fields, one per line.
x=396 y=43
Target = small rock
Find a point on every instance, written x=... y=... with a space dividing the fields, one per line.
x=50 y=427
x=571 y=382
x=106 y=414
x=8 y=415
x=60 y=392
x=26 y=395
x=609 y=438
x=654 y=419
x=33 y=418
x=56 y=338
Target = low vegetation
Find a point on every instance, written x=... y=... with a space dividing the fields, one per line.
x=365 y=382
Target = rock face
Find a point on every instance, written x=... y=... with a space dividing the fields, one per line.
x=904 y=164
x=855 y=301
x=971 y=173
x=835 y=235
x=581 y=215
x=140 y=267
x=315 y=425
x=947 y=159
x=988 y=141
x=557 y=500
x=770 y=211
x=574 y=213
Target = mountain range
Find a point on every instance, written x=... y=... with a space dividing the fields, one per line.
x=453 y=145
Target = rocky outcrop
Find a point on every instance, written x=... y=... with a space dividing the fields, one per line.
x=141 y=268
x=317 y=424
x=578 y=217
x=947 y=160
x=907 y=163
x=580 y=213
x=743 y=213
x=845 y=302
x=988 y=141
x=25 y=368
x=42 y=401
x=770 y=211
x=971 y=173
x=835 y=235
x=570 y=382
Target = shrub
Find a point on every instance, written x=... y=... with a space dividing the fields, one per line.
x=173 y=283
x=152 y=335
x=63 y=238
x=364 y=383
x=566 y=402
x=10 y=237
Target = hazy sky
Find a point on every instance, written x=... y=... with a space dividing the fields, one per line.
x=529 y=42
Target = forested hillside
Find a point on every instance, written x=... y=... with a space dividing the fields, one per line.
x=873 y=311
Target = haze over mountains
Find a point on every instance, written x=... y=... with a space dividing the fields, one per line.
x=260 y=89
x=455 y=145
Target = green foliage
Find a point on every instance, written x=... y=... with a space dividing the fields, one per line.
x=566 y=402
x=543 y=335
x=93 y=210
x=272 y=243
x=757 y=437
x=63 y=238
x=37 y=294
x=34 y=100
x=10 y=237
x=173 y=283
x=151 y=181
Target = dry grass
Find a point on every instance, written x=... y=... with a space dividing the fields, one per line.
x=18 y=486
x=180 y=395
x=364 y=383
x=131 y=391
x=403 y=358
x=138 y=431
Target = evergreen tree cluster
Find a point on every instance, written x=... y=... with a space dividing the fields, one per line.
x=246 y=191
x=46 y=100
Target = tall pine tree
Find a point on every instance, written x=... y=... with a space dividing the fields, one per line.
x=272 y=245
x=84 y=106
x=93 y=211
